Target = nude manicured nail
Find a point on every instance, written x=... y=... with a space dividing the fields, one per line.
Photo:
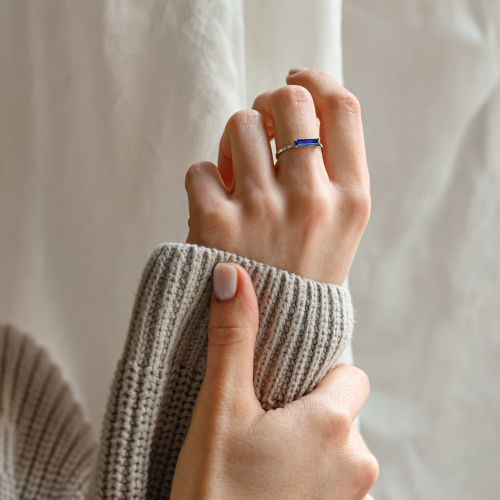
x=292 y=71
x=225 y=281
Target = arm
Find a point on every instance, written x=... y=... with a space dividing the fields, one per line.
x=305 y=216
x=302 y=224
x=47 y=449
x=303 y=328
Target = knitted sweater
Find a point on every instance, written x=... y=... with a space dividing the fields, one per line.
x=46 y=448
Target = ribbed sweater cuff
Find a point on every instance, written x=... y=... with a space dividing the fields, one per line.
x=303 y=328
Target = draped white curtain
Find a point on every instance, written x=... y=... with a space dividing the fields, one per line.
x=426 y=280
x=104 y=104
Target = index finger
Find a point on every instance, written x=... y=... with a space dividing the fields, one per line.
x=345 y=388
x=341 y=128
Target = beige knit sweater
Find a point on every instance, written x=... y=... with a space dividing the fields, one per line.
x=46 y=448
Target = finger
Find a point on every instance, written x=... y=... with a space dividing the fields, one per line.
x=204 y=185
x=292 y=71
x=345 y=387
x=232 y=330
x=259 y=105
x=245 y=156
x=341 y=128
x=206 y=194
x=291 y=112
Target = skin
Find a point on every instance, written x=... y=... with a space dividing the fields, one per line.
x=306 y=214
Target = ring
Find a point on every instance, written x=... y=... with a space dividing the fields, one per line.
x=301 y=143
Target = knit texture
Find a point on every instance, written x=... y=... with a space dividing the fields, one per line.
x=303 y=328
x=46 y=449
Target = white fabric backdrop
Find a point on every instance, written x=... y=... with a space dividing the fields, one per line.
x=426 y=280
x=104 y=104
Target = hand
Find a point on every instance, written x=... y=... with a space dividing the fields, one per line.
x=234 y=449
x=305 y=215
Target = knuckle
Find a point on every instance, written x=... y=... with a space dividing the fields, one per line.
x=359 y=380
x=194 y=171
x=293 y=96
x=364 y=381
x=243 y=119
x=336 y=425
x=350 y=103
x=261 y=99
x=341 y=423
x=222 y=335
x=357 y=207
x=368 y=473
x=344 y=102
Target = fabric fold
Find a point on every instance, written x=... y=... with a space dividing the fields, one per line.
x=303 y=328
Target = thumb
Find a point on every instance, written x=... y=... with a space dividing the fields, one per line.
x=232 y=330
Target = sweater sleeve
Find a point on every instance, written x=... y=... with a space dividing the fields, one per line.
x=303 y=328
x=47 y=450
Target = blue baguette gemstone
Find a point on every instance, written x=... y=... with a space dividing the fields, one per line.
x=307 y=143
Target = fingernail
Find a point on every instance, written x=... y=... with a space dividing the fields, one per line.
x=296 y=70
x=225 y=281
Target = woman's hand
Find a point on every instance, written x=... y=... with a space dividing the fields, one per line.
x=236 y=450
x=305 y=215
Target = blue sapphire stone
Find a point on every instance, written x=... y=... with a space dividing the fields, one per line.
x=307 y=143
